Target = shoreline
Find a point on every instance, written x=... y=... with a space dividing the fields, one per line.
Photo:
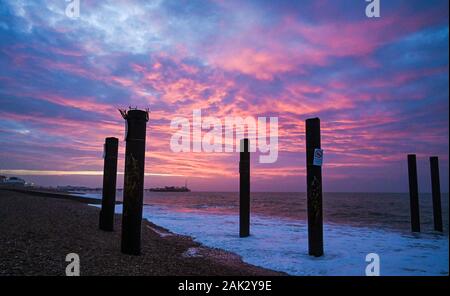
x=40 y=228
x=55 y=194
x=184 y=243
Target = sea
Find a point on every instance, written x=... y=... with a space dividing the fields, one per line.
x=358 y=227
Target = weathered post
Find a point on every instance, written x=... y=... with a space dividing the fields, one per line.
x=110 y=152
x=436 y=192
x=136 y=123
x=244 y=189
x=314 y=187
x=413 y=193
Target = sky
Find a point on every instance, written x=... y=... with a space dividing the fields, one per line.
x=379 y=85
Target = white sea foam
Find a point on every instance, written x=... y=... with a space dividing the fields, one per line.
x=281 y=244
x=87 y=195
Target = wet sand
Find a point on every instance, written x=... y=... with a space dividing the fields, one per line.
x=37 y=232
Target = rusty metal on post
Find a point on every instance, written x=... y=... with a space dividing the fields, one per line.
x=413 y=193
x=244 y=189
x=106 y=219
x=436 y=192
x=133 y=189
x=314 y=187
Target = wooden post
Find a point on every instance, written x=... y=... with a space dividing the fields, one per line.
x=314 y=188
x=244 y=189
x=436 y=191
x=413 y=193
x=106 y=221
x=134 y=180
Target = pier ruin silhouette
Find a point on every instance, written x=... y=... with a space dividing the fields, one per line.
x=136 y=121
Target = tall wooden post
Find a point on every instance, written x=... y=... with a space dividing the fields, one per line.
x=436 y=191
x=314 y=188
x=244 y=189
x=134 y=180
x=106 y=221
x=413 y=193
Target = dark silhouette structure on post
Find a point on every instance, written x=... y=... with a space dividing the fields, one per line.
x=106 y=221
x=136 y=125
x=413 y=193
x=436 y=192
x=314 y=187
x=244 y=189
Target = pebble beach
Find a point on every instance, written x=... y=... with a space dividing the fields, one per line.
x=37 y=232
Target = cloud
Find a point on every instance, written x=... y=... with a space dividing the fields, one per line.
x=380 y=86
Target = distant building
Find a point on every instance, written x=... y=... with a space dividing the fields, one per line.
x=14 y=181
x=70 y=188
x=2 y=179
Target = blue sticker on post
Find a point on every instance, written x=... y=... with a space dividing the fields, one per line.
x=318 y=157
